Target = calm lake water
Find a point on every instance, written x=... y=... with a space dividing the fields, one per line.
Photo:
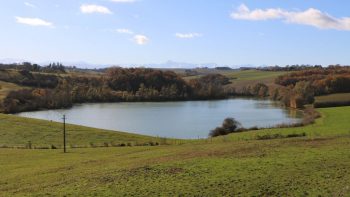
x=190 y=119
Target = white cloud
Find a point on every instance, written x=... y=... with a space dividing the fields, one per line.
x=311 y=17
x=316 y=18
x=123 y=1
x=91 y=8
x=140 y=39
x=33 y=21
x=188 y=35
x=29 y=5
x=244 y=13
x=136 y=38
x=124 y=31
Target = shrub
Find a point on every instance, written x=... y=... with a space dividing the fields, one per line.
x=296 y=135
x=254 y=128
x=228 y=126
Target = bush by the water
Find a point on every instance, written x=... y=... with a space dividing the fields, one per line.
x=230 y=125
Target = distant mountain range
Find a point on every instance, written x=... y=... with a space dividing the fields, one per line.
x=173 y=64
x=11 y=60
x=168 y=64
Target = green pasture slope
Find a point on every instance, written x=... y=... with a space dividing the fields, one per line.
x=254 y=75
x=237 y=165
x=18 y=132
x=340 y=97
x=243 y=78
x=333 y=98
x=244 y=75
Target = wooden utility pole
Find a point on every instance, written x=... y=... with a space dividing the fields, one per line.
x=64 y=134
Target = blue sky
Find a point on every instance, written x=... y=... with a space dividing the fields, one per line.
x=226 y=32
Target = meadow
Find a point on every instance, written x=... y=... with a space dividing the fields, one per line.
x=240 y=76
x=244 y=75
x=238 y=164
x=340 y=97
x=17 y=132
x=332 y=100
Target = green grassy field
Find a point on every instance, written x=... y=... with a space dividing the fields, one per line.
x=332 y=100
x=17 y=132
x=243 y=78
x=341 y=97
x=254 y=75
x=245 y=75
x=315 y=165
x=246 y=78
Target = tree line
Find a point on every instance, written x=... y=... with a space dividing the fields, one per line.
x=322 y=80
x=55 y=67
x=116 y=84
x=48 y=91
x=298 y=88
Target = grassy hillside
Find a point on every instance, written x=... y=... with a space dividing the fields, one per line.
x=267 y=168
x=317 y=164
x=334 y=122
x=254 y=75
x=245 y=78
x=17 y=132
x=244 y=75
x=340 y=99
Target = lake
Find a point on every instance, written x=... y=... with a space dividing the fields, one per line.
x=187 y=119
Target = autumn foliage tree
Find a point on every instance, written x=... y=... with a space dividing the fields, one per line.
x=209 y=86
x=334 y=79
